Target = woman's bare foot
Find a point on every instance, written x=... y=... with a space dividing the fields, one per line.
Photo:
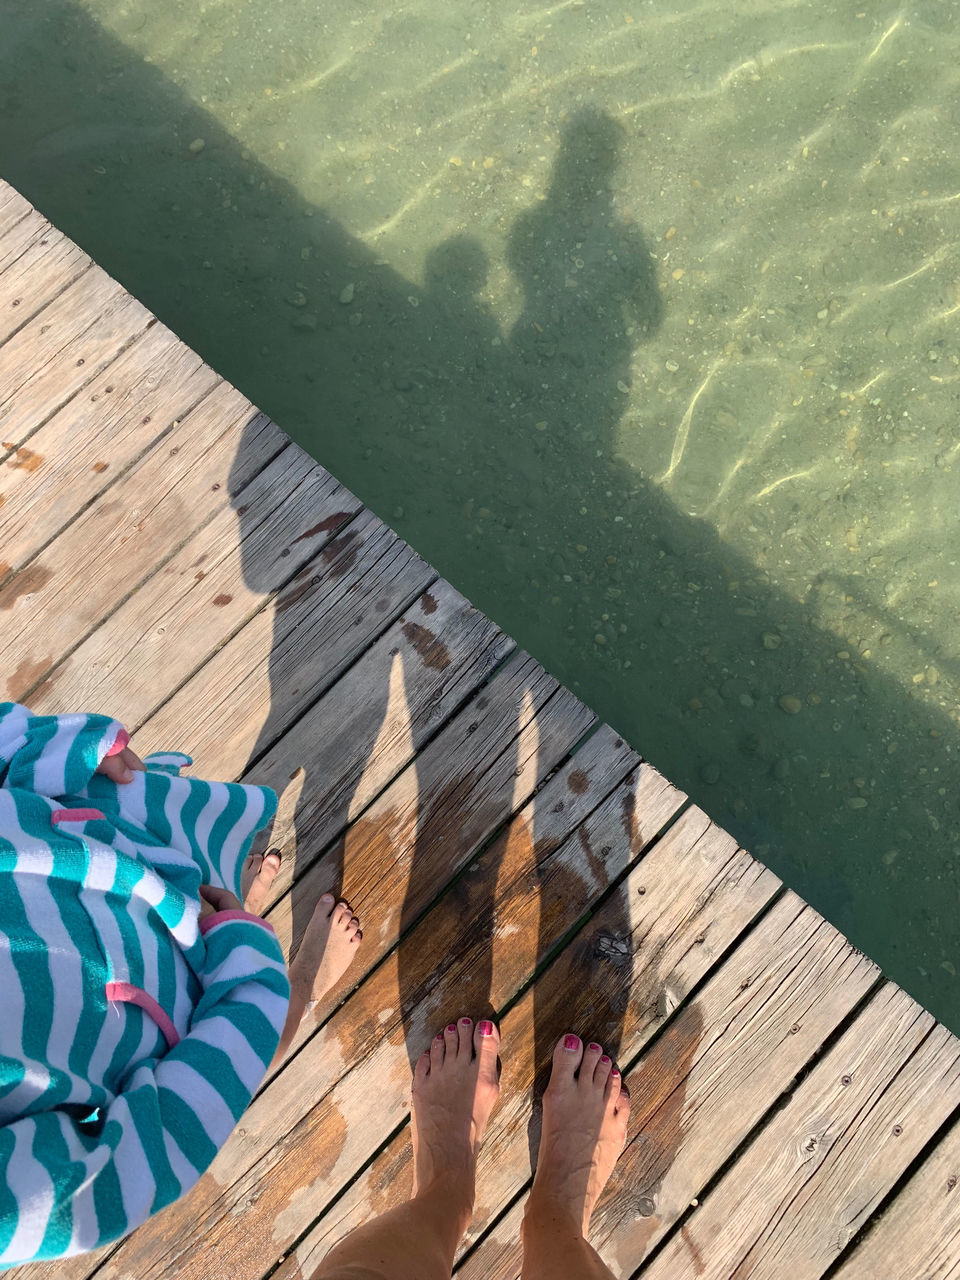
x=455 y=1086
x=585 y=1117
x=256 y=879
x=329 y=945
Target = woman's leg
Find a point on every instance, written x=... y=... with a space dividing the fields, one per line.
x=454 y=1089
x=584 y=1129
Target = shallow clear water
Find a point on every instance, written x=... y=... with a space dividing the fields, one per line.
x=638 y=320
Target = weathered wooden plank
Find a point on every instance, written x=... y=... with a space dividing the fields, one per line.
x=817 y=1171
x=36 y=263
x=13 y=207
x=286 y=657
x=704 y=1083
x=58 y=352
x=757 y=1023
x=919 y=1232
x=180 y=615
x=77 y=1268
x=97 y=434
x=51 y=604
x=372 y=722
x=22 y=236
x=616 y=981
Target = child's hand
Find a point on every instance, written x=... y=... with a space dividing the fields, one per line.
x=213 y=900
x=119 y=768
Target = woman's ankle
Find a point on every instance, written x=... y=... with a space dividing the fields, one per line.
x=450 y=1199
x=546 y=1212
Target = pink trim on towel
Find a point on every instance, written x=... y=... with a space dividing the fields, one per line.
x=77 y=815
x=122 y=740
x=127 y=993
x=220 y=917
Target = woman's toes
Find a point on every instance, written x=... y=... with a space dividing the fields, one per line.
x=251 y=869
x=566 y=1058
x=259 y=872
x=342 y=914
x=611 y=1089
x=437 y=1050
x=601 y=1072
x=451 y=1039
x=465 y=1045
x=622 y=1109
x=591 y=1056
x=486 y=1044
x=422 y=1069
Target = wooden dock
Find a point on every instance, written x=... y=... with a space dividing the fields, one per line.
x=171 y=558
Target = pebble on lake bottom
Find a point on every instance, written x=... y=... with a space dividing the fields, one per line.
x=790 y=704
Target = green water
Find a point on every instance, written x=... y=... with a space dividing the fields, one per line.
x=639 y=320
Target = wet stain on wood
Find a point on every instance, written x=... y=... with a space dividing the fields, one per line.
x=428 y=603
x=433 y=652
x=341 y=555
x=331 y=522
x=547 y=845
x=301 y=586
x=25 y=676
x=578 y=782
x=25 y=583
x=658 y=1087
x=100 y=467
x=594 y=860
x=23 y=459
x=221 y=600
x=696 y=1257
x=630 y=824
x=299 y=1180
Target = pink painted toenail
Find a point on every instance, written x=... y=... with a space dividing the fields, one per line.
x=572 y=1043
x=438 y=1036
x=485 y=1028
x=594 y=1048
x=465 y=1022
x=452 y=1026
x=604 y=1059
x=614 y=1072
